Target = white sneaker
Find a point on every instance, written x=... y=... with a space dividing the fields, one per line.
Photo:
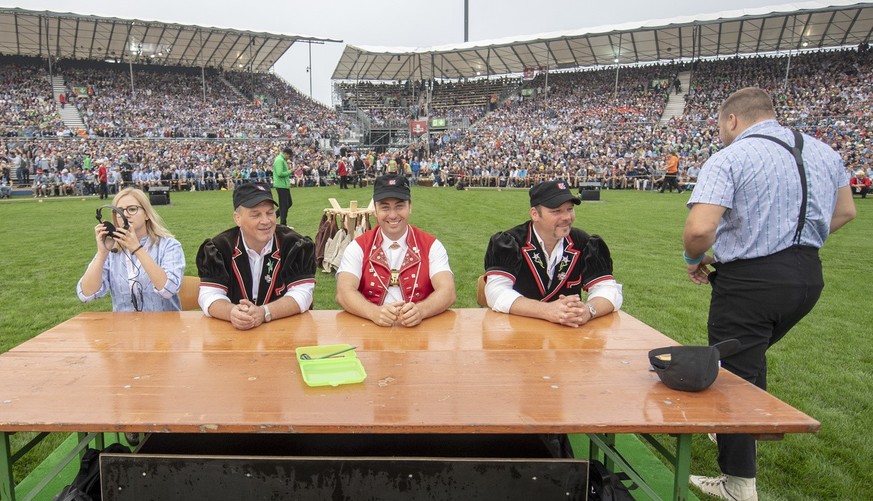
x=727 y=487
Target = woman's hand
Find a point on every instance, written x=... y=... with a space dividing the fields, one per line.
x=101 y=235
x=127 y=239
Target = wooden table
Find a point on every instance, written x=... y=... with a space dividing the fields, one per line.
x=465 y=371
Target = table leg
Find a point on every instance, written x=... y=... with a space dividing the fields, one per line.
x=683 y=467
x=7 y=481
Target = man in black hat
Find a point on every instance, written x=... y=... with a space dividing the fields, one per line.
x=254 y=264
x=540 y=268
x=395 y=274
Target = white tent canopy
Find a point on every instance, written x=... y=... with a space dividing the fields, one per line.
x=803 y=25
x=67 y=35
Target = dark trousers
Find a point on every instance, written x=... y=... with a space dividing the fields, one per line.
x=344 y=182
x=757 y=301
x=104 y=191
x=670 y=182
x=284 y=204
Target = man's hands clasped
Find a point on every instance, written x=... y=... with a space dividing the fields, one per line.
x=568 y=310
x=246 y=315
x=405 y=314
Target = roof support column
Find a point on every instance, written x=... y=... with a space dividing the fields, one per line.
x=48 y=47
x=617 y=66
x=790 y=48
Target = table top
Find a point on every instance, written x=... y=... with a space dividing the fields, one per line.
x=464 y=371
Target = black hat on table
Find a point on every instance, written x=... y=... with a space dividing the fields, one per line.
x=251 y=194
x=551 y=194
x=391 y=186
x=691 y=368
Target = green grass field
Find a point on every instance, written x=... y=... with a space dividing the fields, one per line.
x=824 y=367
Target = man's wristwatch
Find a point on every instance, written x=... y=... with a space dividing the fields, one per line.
x=267 y=315
x=591 y=309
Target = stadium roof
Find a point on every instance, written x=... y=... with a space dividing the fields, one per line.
x=803 y=25
x=68 y=35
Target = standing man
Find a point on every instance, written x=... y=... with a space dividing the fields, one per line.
x=765 y=238
x=282 y=183
x=342 y=170
x=671 y=174
x=257 y=271
x=102 y=179
x=540 y=268
x=395 y=274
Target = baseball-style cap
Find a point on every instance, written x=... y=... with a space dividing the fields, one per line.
x=691 y=368
x=391 y=186
x=551 y=194
x=251 y=194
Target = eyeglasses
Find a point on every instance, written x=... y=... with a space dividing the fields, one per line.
x=136 y=295
x=131 y=210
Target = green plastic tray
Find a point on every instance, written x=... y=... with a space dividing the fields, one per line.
x=344 y=368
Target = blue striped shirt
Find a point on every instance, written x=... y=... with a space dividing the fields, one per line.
x=757 y=181
x=167 y=252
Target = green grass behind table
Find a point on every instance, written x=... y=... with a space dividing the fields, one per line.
x=824 y=367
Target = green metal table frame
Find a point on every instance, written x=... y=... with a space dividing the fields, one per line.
x=8 y=458
x=679 y=457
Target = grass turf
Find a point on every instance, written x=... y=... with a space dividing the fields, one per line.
x=824 y=367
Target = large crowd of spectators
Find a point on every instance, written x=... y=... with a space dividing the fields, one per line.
x=26 y=105
x=582 y=126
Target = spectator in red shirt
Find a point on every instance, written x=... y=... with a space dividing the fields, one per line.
x=860 y=183
x=102 y=178
x=342 y=170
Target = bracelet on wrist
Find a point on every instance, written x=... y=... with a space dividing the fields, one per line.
x=140 y=247
x=696 y=260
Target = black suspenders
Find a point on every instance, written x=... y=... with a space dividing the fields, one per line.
x=797 y=152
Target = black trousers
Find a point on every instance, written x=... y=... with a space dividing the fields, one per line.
x=284 y=204
x=757 y=301
x=671 y=182
x=104 y=191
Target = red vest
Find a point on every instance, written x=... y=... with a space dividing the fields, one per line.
x=414 y=273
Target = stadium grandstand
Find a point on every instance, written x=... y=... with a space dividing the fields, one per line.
x=193 y=107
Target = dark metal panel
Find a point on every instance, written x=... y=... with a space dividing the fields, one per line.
x=135 y=477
